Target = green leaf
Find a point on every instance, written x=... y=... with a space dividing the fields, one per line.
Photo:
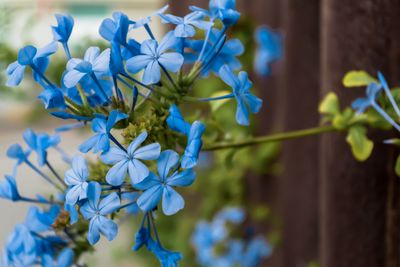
x=216 y=104
x=397 y=166
x=361 y=146
x=330 y=104
x=357 y=78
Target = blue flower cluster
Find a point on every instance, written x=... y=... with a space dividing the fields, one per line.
x=103 y=90
x=249 y=252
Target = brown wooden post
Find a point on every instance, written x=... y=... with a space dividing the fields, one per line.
x=354 y=196
x=299 y=103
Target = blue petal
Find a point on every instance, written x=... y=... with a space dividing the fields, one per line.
x=114 y=155
x=137 y=63
x=170 y=19
x=185 y=31
x=229 y=77
x=76 y=193
x=149 y=152
x=63 y=30
x=168 y=42
x=94 y=231
x=168 y=159
x=149 y=47
x=108 y=228
x=152 y=73
x=172 y=202
x=26 y=55
x=52 y=98
x=89 y=144
x=47 y=50
x=115 y=116
x=254 y=102
x=91 y=54
x=136 y=143
x=176 y=122
x=137 y=171
x=109 y=204
x=65 y=258
x=184 y=178
x=116 y=175
x=150 y=181
x=171 y=61
x=107 y=29
x=93 y=194
x=242 y=114
x=150 y=198
x=72 y=78
x=102 y=63
x=15 y=73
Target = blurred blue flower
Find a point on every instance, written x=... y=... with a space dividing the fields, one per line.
x=102 y=127
x=76 y=179
x=93 y=63
x=146 y=20
x=227 y=55
x=241 y=86
x=129 y=161
x=372 y=92
x=154 y=57
x=9 y=189
x=185 y=26
x=38 y=220
x=131 y=197
x=269 y=49
x=15 y=151
x=176 y=122
x=115 y=29
x=73 y=213
x=97 y=210
x=40 y=143
x=52 y=98
x=257 y=250
x=191 y=155
x=30 y=56
x=21 y=247
x=65 y=258
x=63 y=30
x=156 y=187
x=220 y=9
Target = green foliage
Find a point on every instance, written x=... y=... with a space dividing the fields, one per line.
x=360 y=145
x=397 y=166
x=357 y=78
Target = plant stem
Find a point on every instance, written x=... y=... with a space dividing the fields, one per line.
x=271 y=138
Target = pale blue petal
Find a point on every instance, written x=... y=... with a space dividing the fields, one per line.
x=115 y=116
x=242 y=114
x=136 y=143
x=149 y=199
x=152 y=73
x=254 y=102
x=16 y=76
x=108 y=228
x=229 y=77
x=114 y=155
x=87 y=211
x=116 y=175
x=93 y=194
x=185 y=31
x=170 y=19
x=148 y=152
x=109 y=204
x=171 y=61
x=47 y=50
x=73 y=63
x=168 y=159
x=91 y=54
x=89 y=144
x=172 y=202
x=94 y=231
x=65 y=258
x=150 y=181
x=184 y=178
x=137 y=171
x=72 y=78
x=137 y=63
x=102 y=63
x=168 y=42
x=149 y=47
x=79 y=165
x=78 y=192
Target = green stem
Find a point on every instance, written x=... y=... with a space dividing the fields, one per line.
x=83 y=96
x=272 y=138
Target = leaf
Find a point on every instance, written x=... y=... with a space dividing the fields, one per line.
x=361 y=146
x=357 y=78
x=397 y=166
x=216 y=104
x=330 y=104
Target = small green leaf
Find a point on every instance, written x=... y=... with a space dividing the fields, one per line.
x=356 y=78
x=397 y=166
x=216 y=104
x=342 y=120
x=330 y=104
x=360 y=145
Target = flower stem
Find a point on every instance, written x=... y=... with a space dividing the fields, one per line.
x=56 y=174
x=271 y=138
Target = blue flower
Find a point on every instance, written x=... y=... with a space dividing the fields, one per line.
x=102 y=127
x=30 y=56
x=115 y=29
x=233 y=215
x=269 y=49
x=41 y=220
x=21 y=247
x=73 y=213
x=65 y=258
x=97 y=210
x=176 y=122
x=185 y=26
x=146 y=20
x=52 y=98
x=257 y=250
x=131 y=197
x=241 y=86
x=156 y=187
x=191 y=155
x=220 y=9
x=372 y=92
x=129 y=161
x=76 y=179
x=63 y=30
x=16 y=152
x=154 y=57
x=93 y=63
x=9 y=189
x=40 y=143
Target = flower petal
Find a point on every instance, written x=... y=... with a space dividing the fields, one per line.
x=171 y=61
x=72 y=77
x=168 y=159
x=149 y=152
x=93 y=194
x=149 y=199
x=137 y=63
x=114 y=155
x=116 y=175
x=102 y=63
x=91 y=54
x=152 y=73
x=94 y=231
x=172 y=202
x=108 y=228
x=184 y=178
x=229 y=77
x=109 y=204
x=136 y=143
x=150 y=181
x=137 y=171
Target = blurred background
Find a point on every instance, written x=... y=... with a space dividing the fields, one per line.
x=314 y=202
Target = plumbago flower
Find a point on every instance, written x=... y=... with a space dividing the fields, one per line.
x=238 y=252
x=132 y=119
x=154 y=58
x=129 y=161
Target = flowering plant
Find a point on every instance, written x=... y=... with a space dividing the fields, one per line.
x=131 y=95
